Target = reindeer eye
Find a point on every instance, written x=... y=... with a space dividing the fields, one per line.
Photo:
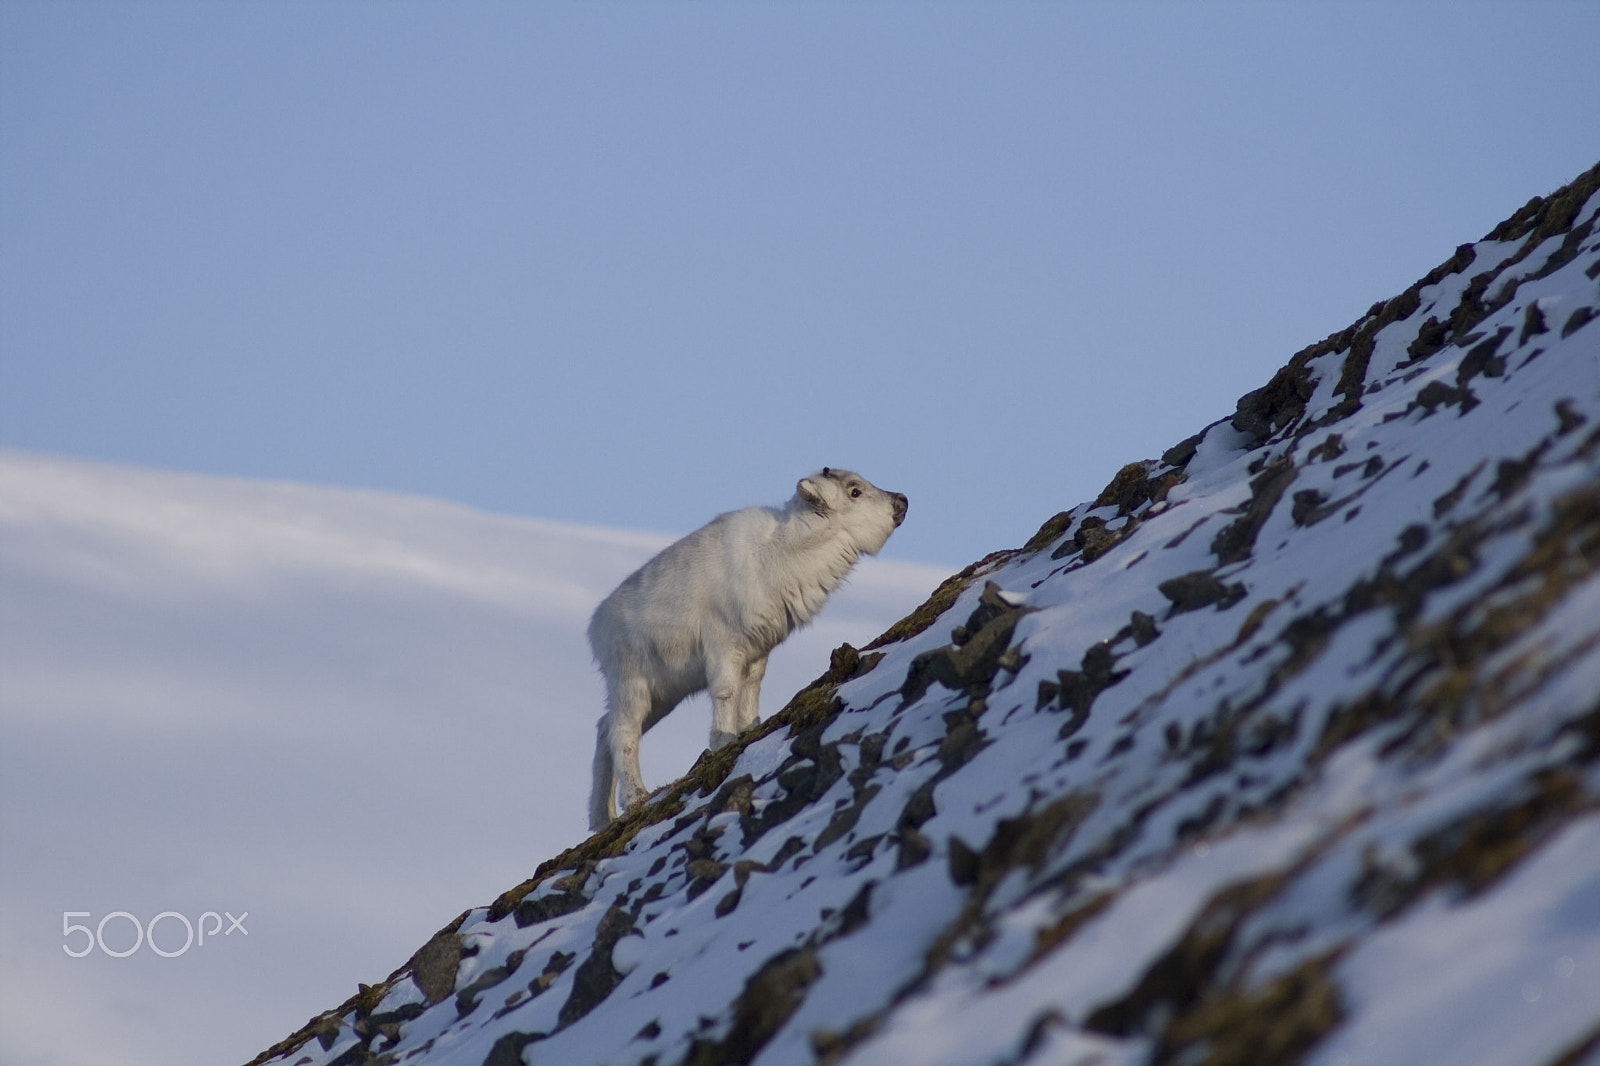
x=854 y=493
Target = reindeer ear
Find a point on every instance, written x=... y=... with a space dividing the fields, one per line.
x=809 y=491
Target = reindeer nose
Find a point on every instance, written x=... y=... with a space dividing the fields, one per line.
x=899 y=505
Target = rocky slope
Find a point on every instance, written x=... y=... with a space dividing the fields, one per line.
x=1284 y=749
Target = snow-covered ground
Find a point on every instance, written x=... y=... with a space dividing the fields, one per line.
x=1286 y=749
x=346 y=714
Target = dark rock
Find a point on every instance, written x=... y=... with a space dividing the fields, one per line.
x=1483 y=360
x=1471 y=308
x=705 y=869
x=1444 y=504
x=543 y=908
x=857 y=911
x=919 y=808
x=1567 y=417
x=971 y=665
x=1142 y=628
x=1091 y=539
x=1511 y=474
x=1532 y=323
x=1079 y=716
x=467 y=998
x=727 y=904
x=963 y=740
x=914 y=849
x=507 y=1051
x=1135 y=485
x=1331 y=448
x=1180 y=454
x=596 y=978
x=1173 y=982
x=1236 y=540
x=769 y=998
x=1307 y=508
x=735 y=795
x=1430 y=338
x=1075 y=690
x=434 y=967
x=1576 y=321
x=1200 y=588
x=1268 y=409
x=1437 y=394
x=845 y=818
x=557 y=965
x=1053 y=527
x=804 y=778
x=963 y=862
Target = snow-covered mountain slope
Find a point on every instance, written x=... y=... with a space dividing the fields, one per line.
x=228 y=695
x=1284 y=749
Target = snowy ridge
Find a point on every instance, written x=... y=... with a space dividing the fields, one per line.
x=1284 y=749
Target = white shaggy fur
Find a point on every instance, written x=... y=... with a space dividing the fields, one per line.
x=705 y=613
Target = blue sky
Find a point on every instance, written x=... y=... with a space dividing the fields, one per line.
x=634 y=264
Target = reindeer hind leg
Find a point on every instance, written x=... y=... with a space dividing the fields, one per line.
x=602 y=804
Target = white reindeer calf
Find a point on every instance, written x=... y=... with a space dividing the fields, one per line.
x=705 y=613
